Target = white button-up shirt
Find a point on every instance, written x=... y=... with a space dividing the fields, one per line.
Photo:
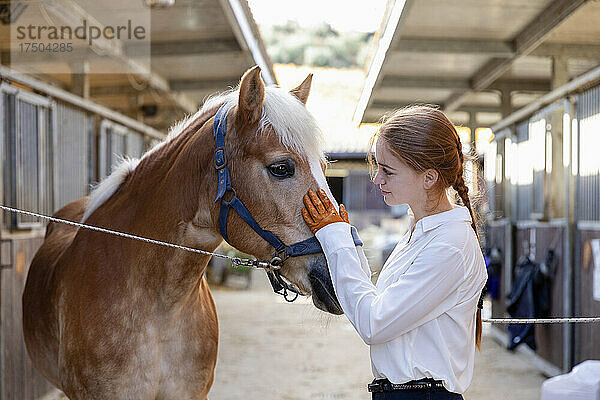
x=420 y=318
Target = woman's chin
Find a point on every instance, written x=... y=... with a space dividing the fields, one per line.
x=389 y=201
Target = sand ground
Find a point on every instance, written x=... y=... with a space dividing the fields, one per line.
x=273 y=350
x=270 y=349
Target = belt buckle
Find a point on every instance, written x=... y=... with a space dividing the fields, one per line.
x=374 y=387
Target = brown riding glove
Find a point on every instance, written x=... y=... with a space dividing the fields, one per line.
x=320 y=211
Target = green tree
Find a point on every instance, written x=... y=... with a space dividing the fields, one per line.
x=318 y=46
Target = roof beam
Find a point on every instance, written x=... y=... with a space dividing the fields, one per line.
x=203 y=84
x=116 y=90
x=585 y=80
x=181 y=85
x=541 y=26
x=570 y=50
x=436 y=82
x=522 y=85
x=524 y=43
x=493 y=48
x=496 y=48
x=391 y=105
x=69 y=10
x=190 y=47
x=373 y=116
x=479 y=108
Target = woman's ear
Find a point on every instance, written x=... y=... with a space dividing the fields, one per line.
x=430 y=178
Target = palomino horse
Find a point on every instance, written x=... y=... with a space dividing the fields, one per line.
x=106 y=317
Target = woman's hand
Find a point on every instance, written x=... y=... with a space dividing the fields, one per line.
x=320 y=211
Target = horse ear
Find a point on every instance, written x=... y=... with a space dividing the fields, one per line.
x=302 y=91
x=252 y=95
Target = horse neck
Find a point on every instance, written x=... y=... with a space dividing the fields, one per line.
x=162 y=199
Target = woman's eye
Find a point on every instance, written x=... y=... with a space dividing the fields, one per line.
x=385 y=171
x=281 y=170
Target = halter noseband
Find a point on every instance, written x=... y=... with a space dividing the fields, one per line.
x=282 y=252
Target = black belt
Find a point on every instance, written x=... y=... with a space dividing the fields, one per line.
x=384 y=385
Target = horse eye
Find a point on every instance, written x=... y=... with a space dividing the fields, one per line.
x=281 y=170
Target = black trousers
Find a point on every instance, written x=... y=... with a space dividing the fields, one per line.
x=417 y=395
x=431 y=394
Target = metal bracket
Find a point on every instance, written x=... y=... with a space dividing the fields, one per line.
x=10 y=264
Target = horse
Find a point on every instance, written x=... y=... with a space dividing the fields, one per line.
x=106 y=317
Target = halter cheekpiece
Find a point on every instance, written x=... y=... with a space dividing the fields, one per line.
x=282 y=252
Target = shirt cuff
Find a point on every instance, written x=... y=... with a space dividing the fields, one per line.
x=335 y=236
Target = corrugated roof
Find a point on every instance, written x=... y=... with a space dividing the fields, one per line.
x=463 y=54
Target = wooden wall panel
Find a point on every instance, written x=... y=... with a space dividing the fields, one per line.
x=19 y=379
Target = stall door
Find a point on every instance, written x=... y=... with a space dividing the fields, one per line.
x=23 y=183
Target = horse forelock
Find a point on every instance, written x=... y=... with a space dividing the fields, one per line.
x=282 y=112
x=295 y=128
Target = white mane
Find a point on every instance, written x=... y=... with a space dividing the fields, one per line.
x=105 y=189
x=294 y=125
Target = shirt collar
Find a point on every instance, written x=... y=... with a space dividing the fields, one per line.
x=458 y=214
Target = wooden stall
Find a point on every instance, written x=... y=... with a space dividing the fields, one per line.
x=49 y=156
x=546 y=165
x=535 y=240
x=587 y=222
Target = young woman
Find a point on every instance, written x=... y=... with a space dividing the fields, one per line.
x=421 y=319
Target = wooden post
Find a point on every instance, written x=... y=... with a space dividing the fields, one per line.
x=506 y=102
x=80 y=80
x=555 y=179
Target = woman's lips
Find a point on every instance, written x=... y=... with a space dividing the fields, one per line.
x=383 y=192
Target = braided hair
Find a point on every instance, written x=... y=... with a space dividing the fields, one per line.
x=460 y=186
x=463 y=192
x=424 y=138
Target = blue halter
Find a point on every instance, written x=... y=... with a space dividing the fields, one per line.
x=282 y=252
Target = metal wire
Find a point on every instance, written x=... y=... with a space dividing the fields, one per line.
x=582 y=320
x=250 y=262
x=234 y=260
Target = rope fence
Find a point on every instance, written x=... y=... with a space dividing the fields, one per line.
x=117 y=233
x=582 y=320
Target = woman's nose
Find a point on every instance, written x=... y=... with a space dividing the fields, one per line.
x=378 y=179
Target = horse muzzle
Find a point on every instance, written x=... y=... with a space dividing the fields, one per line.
x=323 y=294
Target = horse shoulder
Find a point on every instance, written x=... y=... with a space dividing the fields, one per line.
x=40 y=316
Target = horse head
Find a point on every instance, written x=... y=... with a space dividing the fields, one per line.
x=274 y=154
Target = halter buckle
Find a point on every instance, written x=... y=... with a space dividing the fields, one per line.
x=220 y=158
